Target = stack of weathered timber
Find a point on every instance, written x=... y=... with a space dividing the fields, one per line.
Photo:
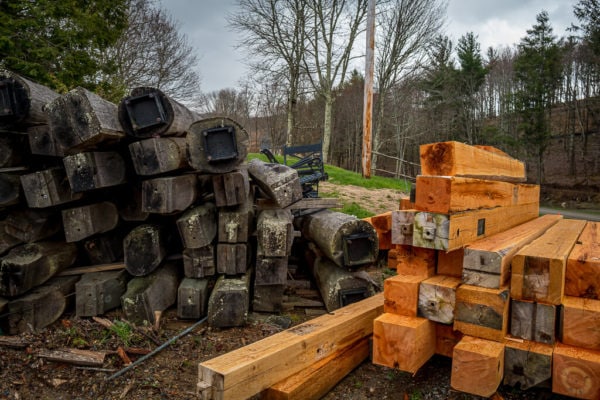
x=157 y=201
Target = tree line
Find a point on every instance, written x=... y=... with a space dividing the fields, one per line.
x=301 y=87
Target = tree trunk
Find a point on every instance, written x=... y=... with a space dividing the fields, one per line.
x=327 y=126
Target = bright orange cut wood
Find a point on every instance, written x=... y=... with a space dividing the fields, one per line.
x=477 y=366
x=459 y=159
x=401 y=294
x=576 y=372
x=450 y=263
x=582 y=278
x=581 y=322
x=401 y=342
x=538 y=269
x=445 y=339
x=415 y=261
x=448 y=194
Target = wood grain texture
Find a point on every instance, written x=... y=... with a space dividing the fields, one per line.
x=258 y=366
x=482 y=312
x=481 y=359
x=402 y=227
x=582 y=277
x=487 y=261
x=576 y=372
x=401 y=342
x=459 y=159
x=450 y=232
x=533 y=321
x=450 y=263
x=415 y=261
x=437 y=298
x=317 y=380
x=581 y=322
x=538 y=269
x=401 y=294
x=446 y=337
x=449 y=194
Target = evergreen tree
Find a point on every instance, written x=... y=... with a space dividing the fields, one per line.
x=470 y=77
x=538 y=72
x=57 y=43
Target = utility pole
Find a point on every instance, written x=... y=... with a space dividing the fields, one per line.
x=368 y=93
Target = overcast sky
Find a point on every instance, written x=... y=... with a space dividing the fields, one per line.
x=495 y=22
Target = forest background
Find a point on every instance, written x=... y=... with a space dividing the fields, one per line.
x=538 y=101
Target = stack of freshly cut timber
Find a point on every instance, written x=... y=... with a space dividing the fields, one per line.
x=158 y=201
x=513 y=297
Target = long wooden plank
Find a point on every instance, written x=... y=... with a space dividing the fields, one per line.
x=538 y=269
x=486 y=261
x=582 y=277
x=448 y=194
x=452 y=231
x=318 y=379
x=246 y=371
x=459 y=159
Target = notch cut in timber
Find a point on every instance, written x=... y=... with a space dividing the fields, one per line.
x=246 y=371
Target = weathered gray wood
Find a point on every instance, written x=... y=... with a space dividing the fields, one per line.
x=268 y=298
x=144 y=249
x=430 y=230
x=148 y=112
x=274 y=233
x=30 y=225
x=13 y=150
x=105 y=248
x=307 y=203
x=10 y=189
x=86 y=358
x=32 y=264
x=198 y=226
x=7 y=241
x=235 y=224
x=154 y=292
x=271 y=271
x=192 y=298
x=85 y=221
x=199 y=263
x=94 y=170
x=41 y=306
x=533 y=321
x=158 y=155
x=437 y=298
x=47 y=188
x=216 y=145
x=232 y=188
x=232 y=259
x=344 y=239
x=98 y=292
x=130 y=203
x=229 y=302
x=279 y=182
x=29 y=98
x=169 y=195
x=402 y=226
x=43 y=143
x=339 y=287
x=81 y=120
x=527 y=365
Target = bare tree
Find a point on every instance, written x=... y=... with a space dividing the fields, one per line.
x=405 y=29
x=152 y=52
x=333 y=29
x=274 y=36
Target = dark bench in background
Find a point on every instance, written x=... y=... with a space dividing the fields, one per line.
x=308 y=161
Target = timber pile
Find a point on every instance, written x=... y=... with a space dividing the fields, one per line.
x=512 y=297
x=160 y=205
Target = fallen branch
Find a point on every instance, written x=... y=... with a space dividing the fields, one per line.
x=157 y=350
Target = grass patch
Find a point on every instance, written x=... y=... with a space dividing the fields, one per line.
x=355 y=209
x=340 y=176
